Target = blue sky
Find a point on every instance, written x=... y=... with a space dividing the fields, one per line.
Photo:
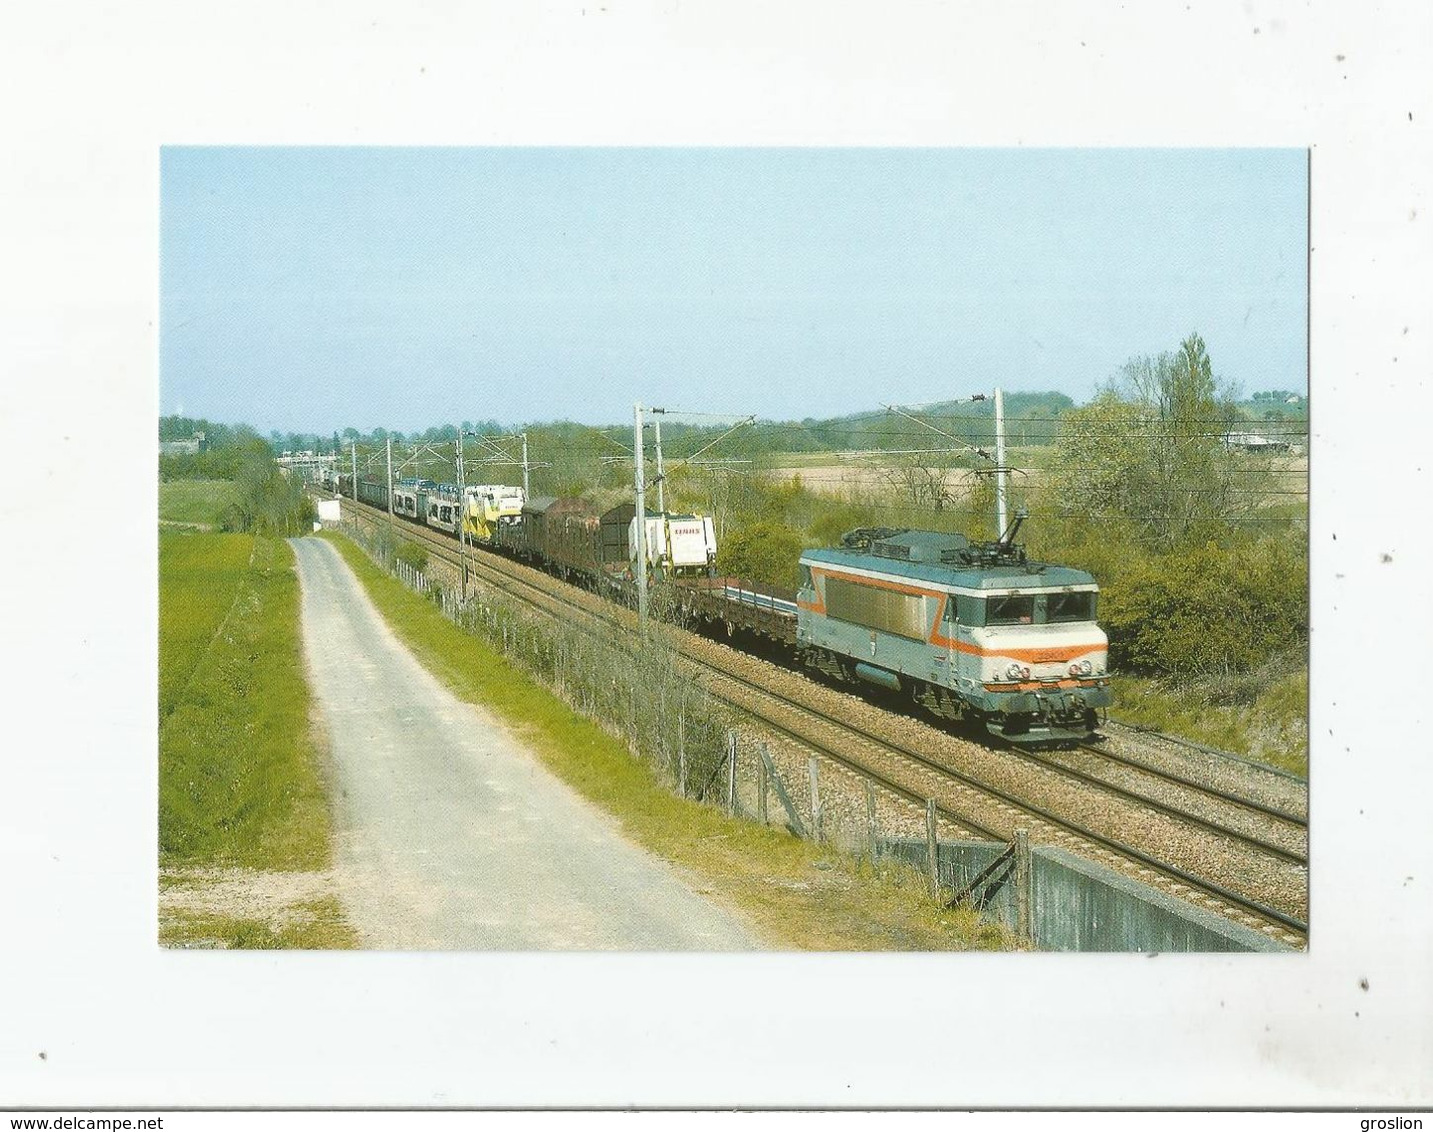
x=314 y=289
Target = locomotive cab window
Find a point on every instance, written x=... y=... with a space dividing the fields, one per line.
x=1014 y=609
x=1070 y=607
x=805 y=576
x=969 y=610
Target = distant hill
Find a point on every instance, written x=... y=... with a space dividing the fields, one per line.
x=1030 y=418
x=1276 y=405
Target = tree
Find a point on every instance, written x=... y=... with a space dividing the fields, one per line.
x=1150 y=451
x=920 y=478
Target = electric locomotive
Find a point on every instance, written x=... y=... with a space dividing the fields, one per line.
x=966 y=629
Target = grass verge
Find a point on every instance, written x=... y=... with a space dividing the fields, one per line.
x=1264 y=718
x=314 y=925
x=240 y=782
x=796 y=894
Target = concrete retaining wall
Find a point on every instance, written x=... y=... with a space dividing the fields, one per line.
x=1078 y=905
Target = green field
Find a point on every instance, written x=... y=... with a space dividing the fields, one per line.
x=199 y=578
x=198 y=503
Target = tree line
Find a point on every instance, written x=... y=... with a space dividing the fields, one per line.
x=1200 y=552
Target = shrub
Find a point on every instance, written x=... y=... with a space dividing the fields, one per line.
x=413 y=555
x=763 y=552
x=1209 y=611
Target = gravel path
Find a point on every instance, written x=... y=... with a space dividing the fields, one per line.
x=448 y=834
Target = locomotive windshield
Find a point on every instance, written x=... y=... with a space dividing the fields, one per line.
x=1070 y=607
x=1040 y=609
x=1015 y=609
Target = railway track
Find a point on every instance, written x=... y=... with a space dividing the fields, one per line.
x=1237 y=813
x=1254 y=768
x=970 y=802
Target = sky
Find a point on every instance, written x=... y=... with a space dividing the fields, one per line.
x=310 y=290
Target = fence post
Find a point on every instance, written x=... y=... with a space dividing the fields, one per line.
x=813 y=772
x=871 y=819
x=932 y=848
x=793 y=818
x=761 y=786
x=731 y=773
x=1022 y=886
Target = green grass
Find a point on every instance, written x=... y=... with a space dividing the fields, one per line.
x=239 y=780
x=199 y=577
x=195 y=502
x=799 y=895
x=315 y=925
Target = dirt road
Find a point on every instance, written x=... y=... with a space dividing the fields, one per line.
x=449 y=835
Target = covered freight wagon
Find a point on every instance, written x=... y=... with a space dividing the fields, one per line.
x=373 y=492
x=561 y=532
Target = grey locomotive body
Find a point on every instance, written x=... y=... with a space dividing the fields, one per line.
x=966 y=629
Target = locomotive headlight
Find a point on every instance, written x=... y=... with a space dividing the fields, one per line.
x=1024 y=673
x=1074 y=670
x=1086 y=668
x=1013 y=672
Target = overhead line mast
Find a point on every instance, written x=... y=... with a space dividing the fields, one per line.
x=461 y=512
x=641 y=524
x=1001 y=471
x=661 y=473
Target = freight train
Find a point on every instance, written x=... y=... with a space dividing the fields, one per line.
x=966 y=629
x=569 y=536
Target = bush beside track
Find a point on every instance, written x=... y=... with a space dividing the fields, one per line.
x=797 y=894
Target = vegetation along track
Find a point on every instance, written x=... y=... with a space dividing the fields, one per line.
x=1180 y=843
x=1248 y=768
